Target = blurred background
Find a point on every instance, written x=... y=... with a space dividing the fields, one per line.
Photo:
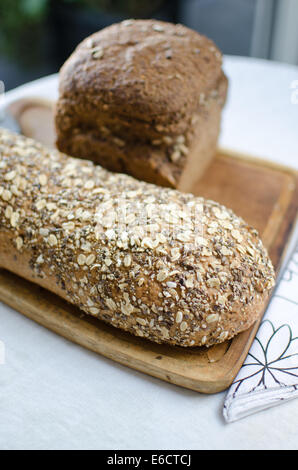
x=37 y=36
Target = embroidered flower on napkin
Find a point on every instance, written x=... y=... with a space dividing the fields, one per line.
x=269 y=374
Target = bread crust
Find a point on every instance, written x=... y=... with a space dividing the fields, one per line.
x=163 y=265
x=133 y=96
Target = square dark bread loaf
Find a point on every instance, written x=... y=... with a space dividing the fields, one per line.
x=143 y=97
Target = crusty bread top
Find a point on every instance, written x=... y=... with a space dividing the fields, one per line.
x=162 y=264
x=143 y=69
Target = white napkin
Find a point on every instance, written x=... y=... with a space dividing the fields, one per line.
x=269 y=375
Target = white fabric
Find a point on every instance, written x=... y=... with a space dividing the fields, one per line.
x=57 y=395
x=269 y=375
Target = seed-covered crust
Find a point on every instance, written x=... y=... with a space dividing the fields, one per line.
x=133 y=96
x=164 y=265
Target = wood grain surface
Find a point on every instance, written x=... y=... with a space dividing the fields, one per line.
x=265 y=195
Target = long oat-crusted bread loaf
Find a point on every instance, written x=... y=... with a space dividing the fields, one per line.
x=143 y=97
x=158 y=263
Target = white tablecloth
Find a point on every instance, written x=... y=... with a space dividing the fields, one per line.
x=57 y=395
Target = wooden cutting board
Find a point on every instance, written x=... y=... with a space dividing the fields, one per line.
x=264 y=194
